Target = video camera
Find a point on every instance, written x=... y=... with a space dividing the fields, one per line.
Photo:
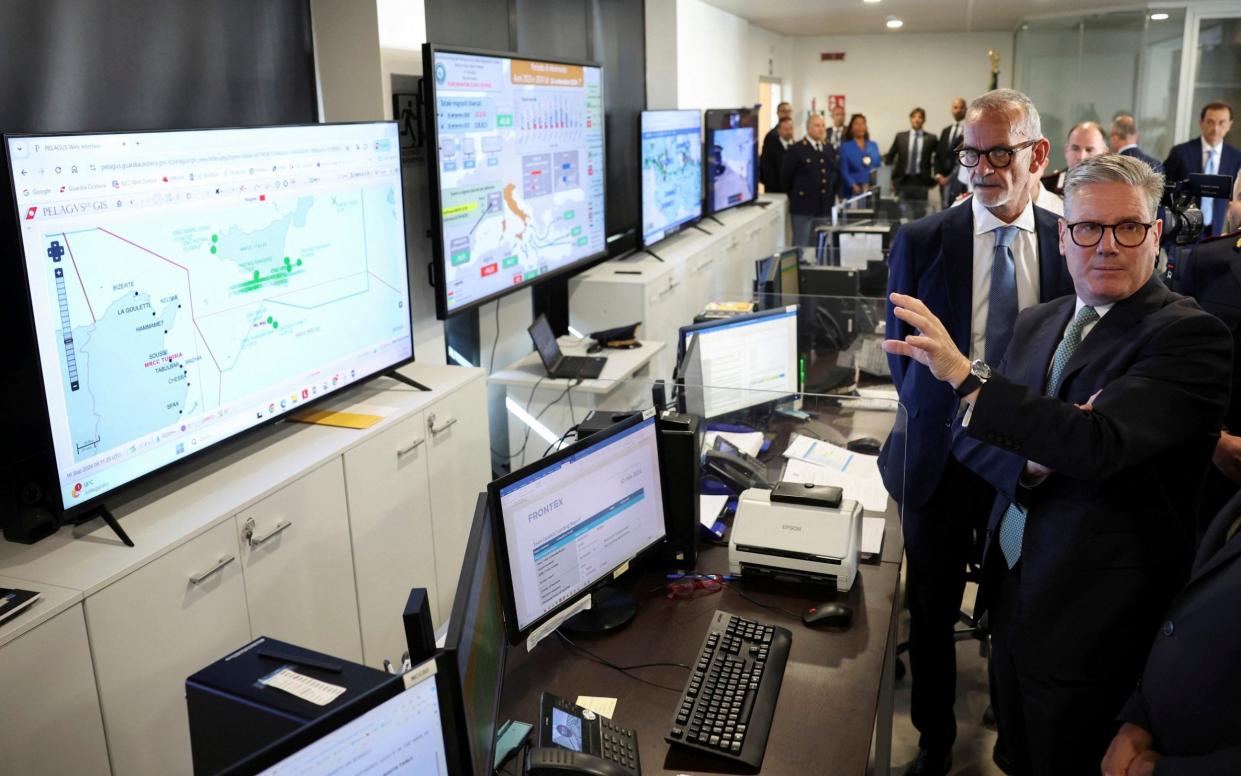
x=1183 y=217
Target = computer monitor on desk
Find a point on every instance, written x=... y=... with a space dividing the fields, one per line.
x=475 y=644
x=776 y=280
x=741 y=361
x=410 y=720
x=564 y=525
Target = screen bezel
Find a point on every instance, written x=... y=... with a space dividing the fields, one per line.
x=169 y=471
x=708 y=127
x=500 y=537
x=429 y=50
x=456 y=620
x=689 y=223
x=309 y=733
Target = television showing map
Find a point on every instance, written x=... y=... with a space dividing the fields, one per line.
x=671 y=172
x=187 y=286
x=517 y=178
x=731 y=158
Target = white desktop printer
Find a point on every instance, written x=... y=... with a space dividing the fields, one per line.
x=796 y=532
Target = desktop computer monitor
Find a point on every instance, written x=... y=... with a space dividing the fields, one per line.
x=405 y=726
x=475 y=643
x=745 y=360
x=777 y=279
x=564 y=525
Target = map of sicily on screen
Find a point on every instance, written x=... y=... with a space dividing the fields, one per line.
x=520 y=170
x=186 y=286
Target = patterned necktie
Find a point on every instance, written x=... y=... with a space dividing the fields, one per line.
x=1207 y=204
x=1002 y=307
x=1013 y=524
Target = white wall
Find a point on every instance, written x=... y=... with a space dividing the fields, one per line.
x=720 y=57
x=886 y=76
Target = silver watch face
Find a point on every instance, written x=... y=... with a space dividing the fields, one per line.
x=981 y=370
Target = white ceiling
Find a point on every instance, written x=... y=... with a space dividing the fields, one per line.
x=854 y=17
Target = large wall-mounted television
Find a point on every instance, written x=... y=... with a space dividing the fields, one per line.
x=731 y=158
x=517 y=174
x=188 y=286
x=671 y=172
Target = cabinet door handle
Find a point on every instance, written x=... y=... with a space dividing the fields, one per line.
x=255 y=541
x=404 y=451
x=431 y=424
x=224 y=560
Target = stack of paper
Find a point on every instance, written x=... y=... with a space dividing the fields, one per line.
x=823 y=463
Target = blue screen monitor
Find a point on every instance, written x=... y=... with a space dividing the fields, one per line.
x=671 y=172
x=517 y=171
x=731 y=158
x=189 y=286
x=744 y=361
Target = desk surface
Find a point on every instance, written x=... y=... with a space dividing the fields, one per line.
x=621 y=365
x=828 y=699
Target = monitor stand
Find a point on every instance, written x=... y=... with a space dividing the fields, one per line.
x=699 y=228
x=400 y=378
x=716 y=220
x=757 y=203
x=652 y=253
x=610 y=609
x=102 y=512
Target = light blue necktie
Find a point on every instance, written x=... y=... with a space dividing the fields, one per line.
x=1013 y=524
x=915 y=150
x=1002 y=307
x=1208 y=204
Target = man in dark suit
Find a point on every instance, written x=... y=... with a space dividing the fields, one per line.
x=1096 y=431
x=836 y=132
x=1211 y=274
x=1085 y=141
x=912 y=155
x=946 y=167
x=975 y=265
x=1185 y=717
x=808 y=176
x=1122 y=138
x=1207 y=154
x=773 y=155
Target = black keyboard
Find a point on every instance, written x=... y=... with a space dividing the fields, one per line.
x=731 y=694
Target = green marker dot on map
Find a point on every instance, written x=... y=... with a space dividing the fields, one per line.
x=286 y=261
x=215 y=238
x=299 y=262
x=257 y=275
x=275 y=324
x=269 y=319
x=213 y=249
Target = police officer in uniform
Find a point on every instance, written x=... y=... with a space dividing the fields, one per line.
x=808 y=175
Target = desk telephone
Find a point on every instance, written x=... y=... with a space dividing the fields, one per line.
x=736 y=469
x=576 y=740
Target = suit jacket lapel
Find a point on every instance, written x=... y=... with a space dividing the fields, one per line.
x=1036 y=355
x=1051 y=268
x=1213 y=552
x=1115 y=326
x=957 y=255
x=1193 y=150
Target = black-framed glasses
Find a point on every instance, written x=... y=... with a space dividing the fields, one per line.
x=998 y=156
x=1129 y=234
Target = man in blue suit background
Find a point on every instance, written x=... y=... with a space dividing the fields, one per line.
x=1122 y=138
x=975 y=266
x=1207 y=154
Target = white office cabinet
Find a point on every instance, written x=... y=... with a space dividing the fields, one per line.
x=298 y=565
x=152 y=629
x=390 y=522
x=459 y=467
x=49 y=703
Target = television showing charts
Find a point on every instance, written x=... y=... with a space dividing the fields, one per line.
x=731 y=158
x=517 y=179
x=671 y=172
x=188 y=286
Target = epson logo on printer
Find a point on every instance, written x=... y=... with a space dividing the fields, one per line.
x=543 y=510
x=788 y=527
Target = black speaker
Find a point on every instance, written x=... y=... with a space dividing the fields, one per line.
x=419 y=634
x=27 y=493
x=680 y=440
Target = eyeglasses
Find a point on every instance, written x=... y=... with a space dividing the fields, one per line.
x=999 y=156
x=685 y=586
x=1128 y=234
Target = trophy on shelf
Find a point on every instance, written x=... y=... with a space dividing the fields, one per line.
x=994 y=56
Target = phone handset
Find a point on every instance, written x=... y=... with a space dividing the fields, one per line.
x=554 y=760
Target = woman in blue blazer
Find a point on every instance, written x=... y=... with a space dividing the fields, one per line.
x=858 y=156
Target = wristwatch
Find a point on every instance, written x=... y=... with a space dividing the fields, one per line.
x=980 y=373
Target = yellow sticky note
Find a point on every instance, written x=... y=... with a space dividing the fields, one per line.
x=604 y=707
x=338 y=419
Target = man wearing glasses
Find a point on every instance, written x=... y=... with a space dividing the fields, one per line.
x=975 y=266
x=1096 y=431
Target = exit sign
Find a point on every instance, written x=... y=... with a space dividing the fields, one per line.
x=832 y=56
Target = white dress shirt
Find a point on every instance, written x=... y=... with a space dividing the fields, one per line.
x=1025 y=266
x=1101 y=309
x=1049 y=200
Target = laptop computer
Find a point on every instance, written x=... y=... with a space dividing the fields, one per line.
x=558 y=364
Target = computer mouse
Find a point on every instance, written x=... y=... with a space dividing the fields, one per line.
x=828 y=615
x=865 y=445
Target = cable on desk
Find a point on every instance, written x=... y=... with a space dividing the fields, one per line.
x=571 y=430
x=624 y=669
x=526 y=439
x=491 y=362
x=772 y=607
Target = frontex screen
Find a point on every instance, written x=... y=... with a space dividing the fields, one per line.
x=572 y=523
